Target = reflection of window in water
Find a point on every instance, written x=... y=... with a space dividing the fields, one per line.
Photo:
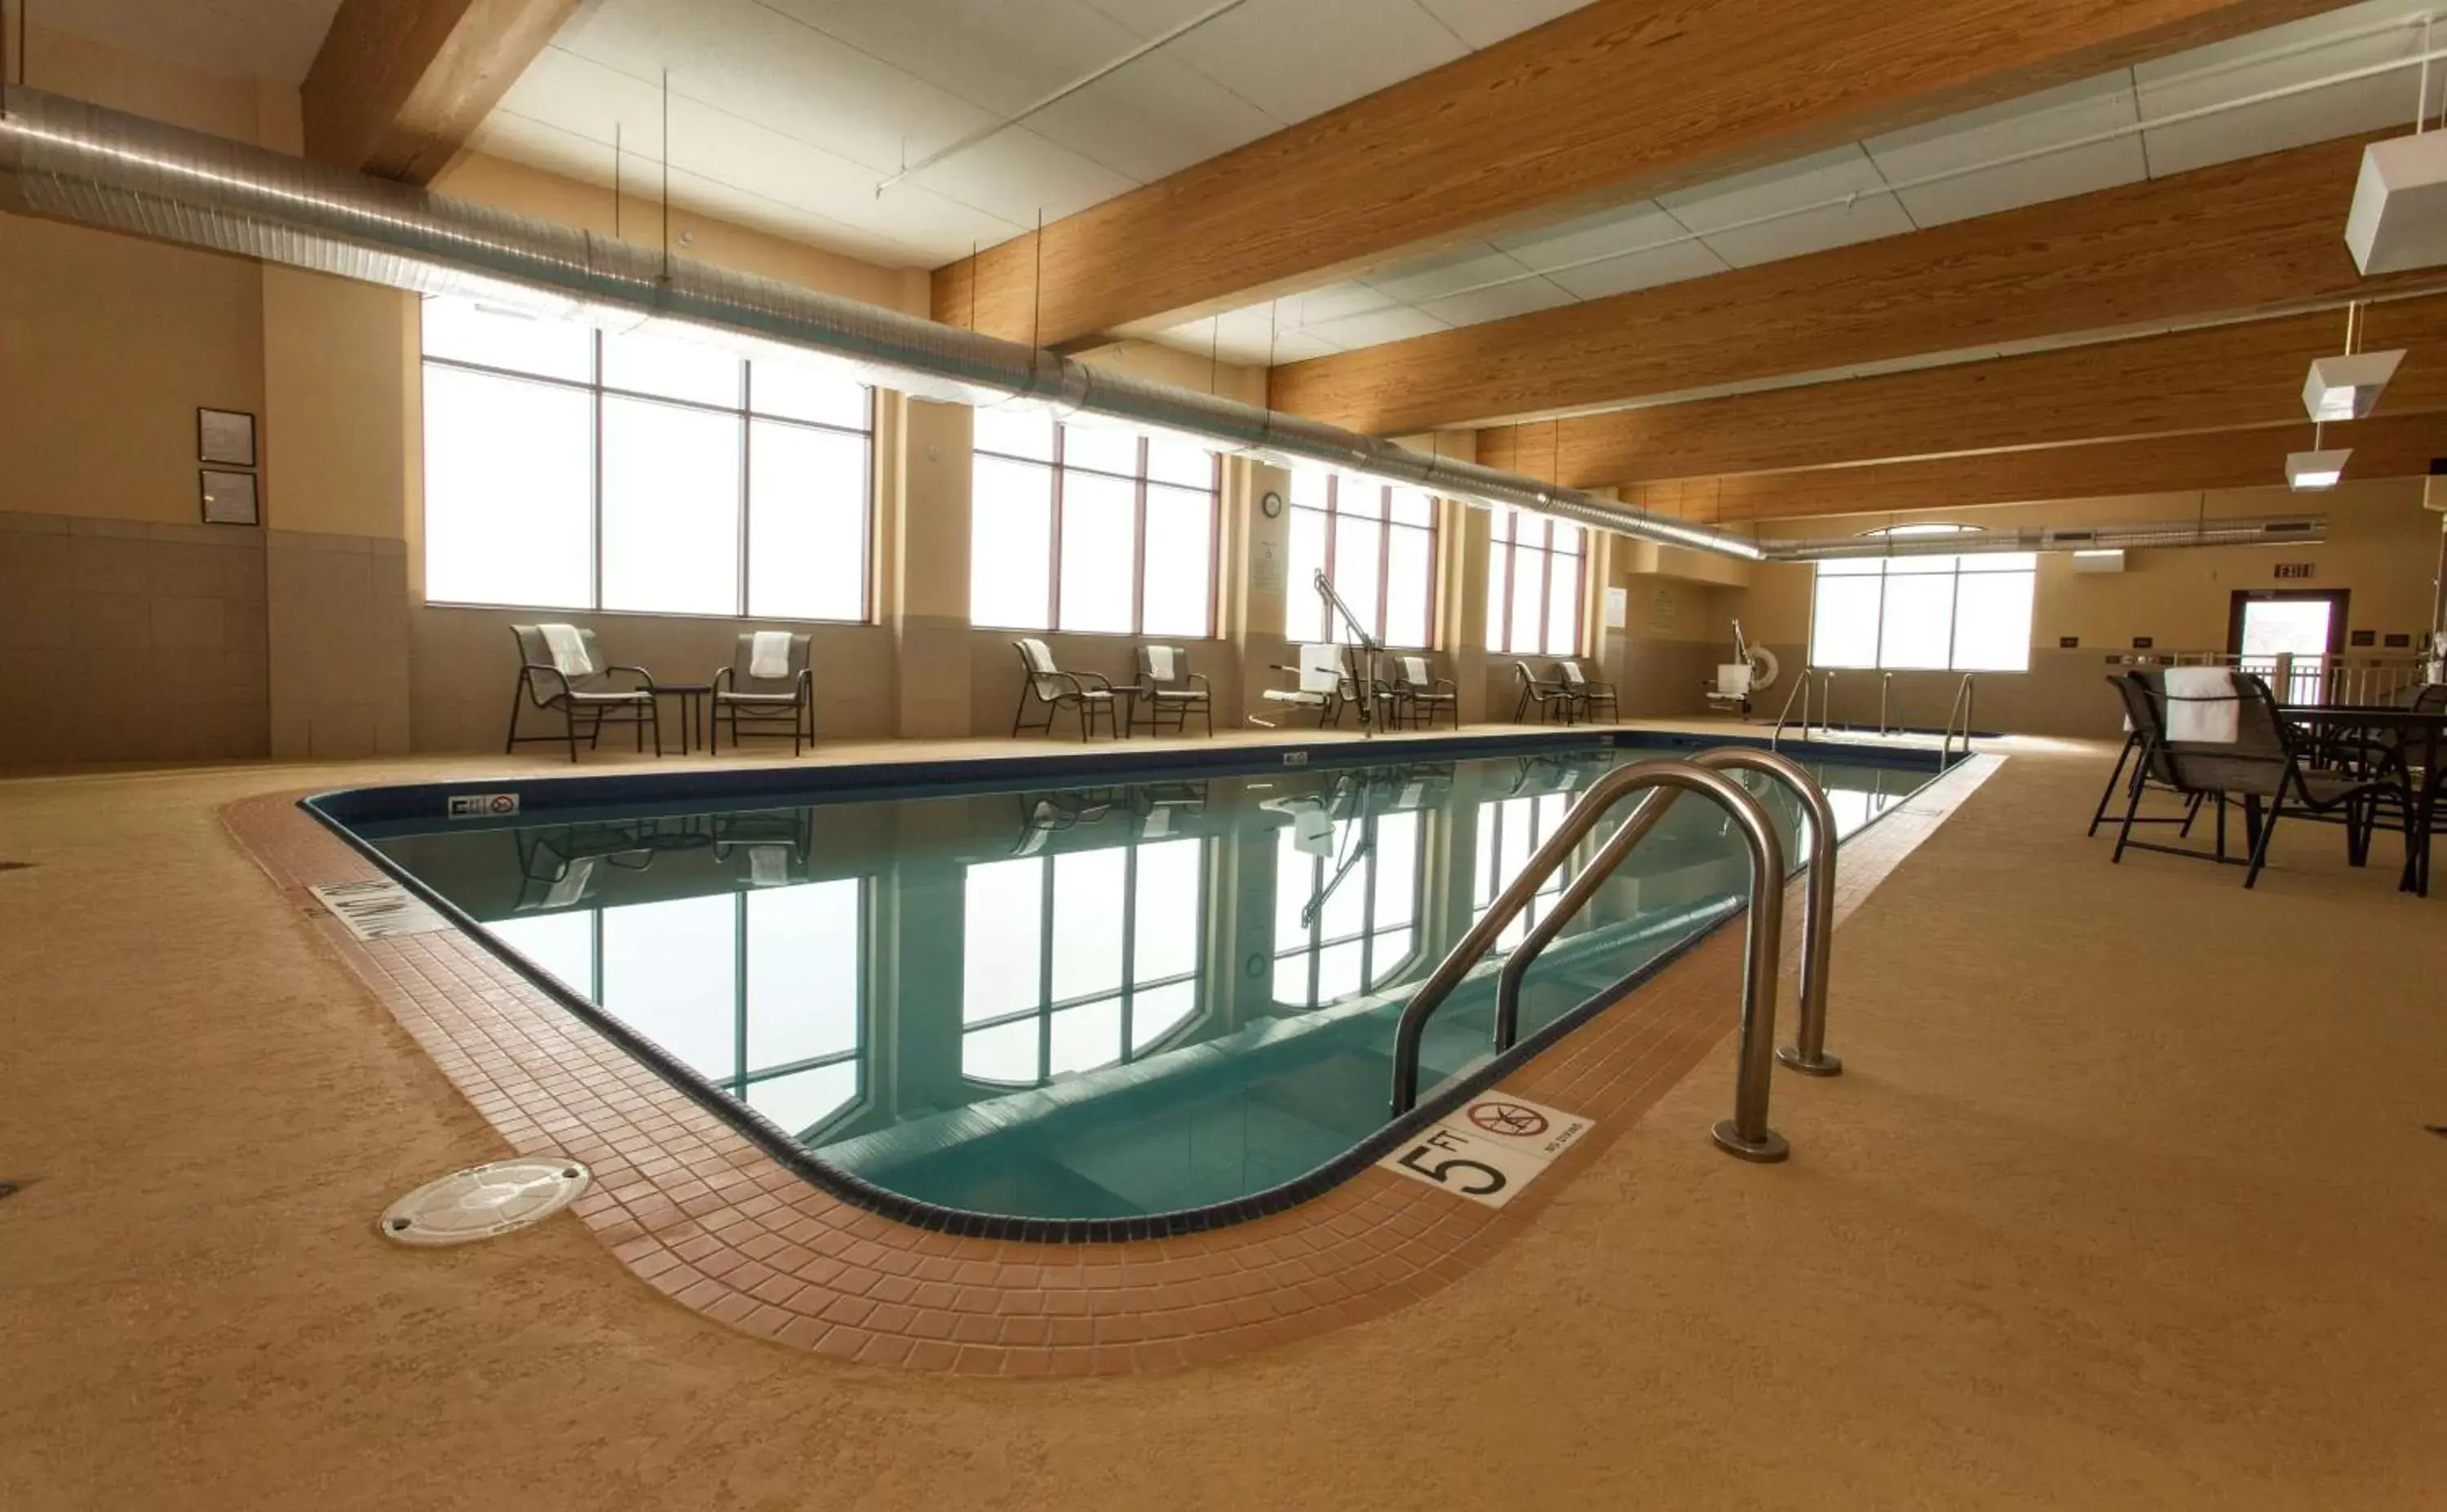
x=1079 y=960
x=1509 y=832
x=1365 y=929
x=759 y=992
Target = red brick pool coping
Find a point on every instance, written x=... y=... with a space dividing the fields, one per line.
x=698 y=1212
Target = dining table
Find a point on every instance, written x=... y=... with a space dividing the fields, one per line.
x=2407 y=743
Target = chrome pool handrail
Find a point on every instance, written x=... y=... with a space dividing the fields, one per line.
x=1808 y=1052
x=1746 y=1134
x=1801 y=692
x=1964 y=695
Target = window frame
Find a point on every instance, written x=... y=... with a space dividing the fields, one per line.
x=1374 y=975
x=1140 y=482
x=1499 y=585
x=1332 y=626
x=749 y=417
x=1953 y=576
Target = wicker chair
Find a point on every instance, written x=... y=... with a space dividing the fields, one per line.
x=1087 y=694
x=561 y=668
x=785 y=693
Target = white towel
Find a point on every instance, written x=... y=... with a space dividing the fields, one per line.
x=1160 y=663
x=569 y=657
x=2202 y=709
x=572 y=884
x=1416 y=669
x=1158 y=824
x=768 y=865
x=769 y=657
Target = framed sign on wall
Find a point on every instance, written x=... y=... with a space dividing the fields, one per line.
x=226 y=437
x=229 y=497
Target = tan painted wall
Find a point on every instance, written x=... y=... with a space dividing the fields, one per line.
x=2381 y=546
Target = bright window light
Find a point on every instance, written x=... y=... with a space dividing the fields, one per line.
x=1931 y=613
x=1134 y=516
x=1376 y=544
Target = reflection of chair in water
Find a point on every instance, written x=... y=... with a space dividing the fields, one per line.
x=1042 y=813
x=777 y=842
x=559 y=867
x=1162 y=806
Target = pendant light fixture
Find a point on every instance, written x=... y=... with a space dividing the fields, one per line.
x=2347 y=386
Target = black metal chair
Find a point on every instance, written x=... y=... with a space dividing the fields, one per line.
x=1418 y=694
x=1057 y=690
x=1167 y=687
x=1589 y=693
x=768 y=683
x=2138 y=686
x=2263 y=765
x=1549 y=697
x=561 y=668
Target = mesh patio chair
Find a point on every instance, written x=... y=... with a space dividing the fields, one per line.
x=768 y=683
x=2127 y=688
x=1166 y=688
x=561 y=668
x=1591 y=694
x=1549 y=697
x=2262 y=766
x=1326 y=683
x=1418 y=694
x=1087 y=694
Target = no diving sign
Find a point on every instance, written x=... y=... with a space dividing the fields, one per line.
x=1492 y=1148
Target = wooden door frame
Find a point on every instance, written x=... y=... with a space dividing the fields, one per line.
x=2338 y=598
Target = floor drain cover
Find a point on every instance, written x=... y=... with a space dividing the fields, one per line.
x=484 y=1200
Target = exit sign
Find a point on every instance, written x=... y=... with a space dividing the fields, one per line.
x=2293 y=569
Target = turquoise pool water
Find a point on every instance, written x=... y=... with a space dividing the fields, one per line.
x=1095 y=1002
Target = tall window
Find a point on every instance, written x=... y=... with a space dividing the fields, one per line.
x=1346 y=917
x=1375 y=542
x=1969 y=613
x=569 y=468
x=1091 y=528
x=762 y=993
x=1533 y=585
x=1079 y=960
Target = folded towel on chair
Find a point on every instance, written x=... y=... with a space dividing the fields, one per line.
x=569 y=657
x=771 y=655
x=2202 y=708
x=1160 y=663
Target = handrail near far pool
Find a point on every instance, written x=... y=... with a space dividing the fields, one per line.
x=1808 y=1052
x=1963 y=698
x=1746 y=1134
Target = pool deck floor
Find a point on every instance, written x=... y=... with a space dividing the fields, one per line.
x=2126 y=1198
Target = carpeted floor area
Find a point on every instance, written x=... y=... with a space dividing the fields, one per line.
x=2126 y=1199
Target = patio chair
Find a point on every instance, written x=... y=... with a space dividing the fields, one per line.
x=1591 y=694
x=2140 y=686
x=2262 y=765
x=1549 y=697
x=1326 y=684
x=1087 y=694
x=768 y=683
x=1168 y=687
x=561 y=668
x=1417 y=694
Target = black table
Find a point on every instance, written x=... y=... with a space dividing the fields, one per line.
x=693 y=698
x=2420 y=738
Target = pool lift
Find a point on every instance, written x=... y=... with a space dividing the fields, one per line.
x=1753 y=669
x=1313 y=820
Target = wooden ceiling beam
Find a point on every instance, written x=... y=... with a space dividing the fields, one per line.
x=1603 y=106
x=2213 y=379
x=2255 y=235
x=401 y=85
x=2383 y=447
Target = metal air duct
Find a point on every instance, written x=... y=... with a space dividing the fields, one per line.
x=2271 y=530
x=69 y=161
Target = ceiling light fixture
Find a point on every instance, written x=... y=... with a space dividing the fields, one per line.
x=2306 y=470
x=2347 y=386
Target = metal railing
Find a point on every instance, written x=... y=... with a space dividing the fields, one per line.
x=1963 y=697
x=1808 y=1053
x=2294 y=679
x=1369 y=682
x=1746 y=1134
x=1800 y=693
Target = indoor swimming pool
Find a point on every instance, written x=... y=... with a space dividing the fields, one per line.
x=1066 y=995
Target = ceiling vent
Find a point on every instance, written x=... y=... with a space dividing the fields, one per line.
x=2400 y=216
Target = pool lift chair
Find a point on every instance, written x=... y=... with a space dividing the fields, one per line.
x=1328 y=680
x=561 y=667
x=1753 y=670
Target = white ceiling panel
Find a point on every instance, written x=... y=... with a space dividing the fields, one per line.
x=1502 y=302
x=1786 y=188
x=1399 y=323
x=1018 y=174
x=1639 y=269
x=1002 y=56
x=1154 y=117
x=1294 y=59
x=1485 y=23
x=1333 y=302
x=245 y=39
x=1606 y=234
x=1150 y=19
x=2067 y=114
x=1448 y=273
x=2305 y=51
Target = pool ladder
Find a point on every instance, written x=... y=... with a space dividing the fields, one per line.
x=1746 y=1134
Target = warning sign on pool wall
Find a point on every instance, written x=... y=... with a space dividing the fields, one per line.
x=1490 y=1149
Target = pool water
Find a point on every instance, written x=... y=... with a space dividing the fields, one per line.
x=1095 y=1002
